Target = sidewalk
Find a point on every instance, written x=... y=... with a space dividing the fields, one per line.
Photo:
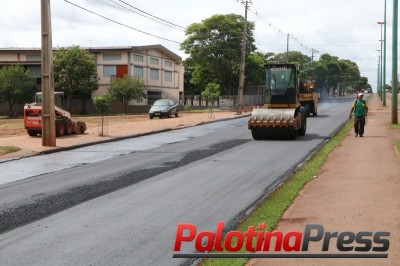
x=357 y=190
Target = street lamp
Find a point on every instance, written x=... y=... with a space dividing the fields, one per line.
x=382 y=86
x=379 y=80
x=384 y=58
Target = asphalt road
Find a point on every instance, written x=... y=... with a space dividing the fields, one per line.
x=124 y=209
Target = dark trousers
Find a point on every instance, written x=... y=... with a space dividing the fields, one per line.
x=359 y=123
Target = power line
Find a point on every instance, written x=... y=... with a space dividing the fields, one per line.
x=87 y=10
x=184 y=28
x=129 y=8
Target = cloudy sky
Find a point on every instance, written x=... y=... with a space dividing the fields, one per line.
x=347 y=29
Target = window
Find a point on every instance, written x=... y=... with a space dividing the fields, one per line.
x=138 y=58
x=138 y=71
x=109 y=71
x=154 y=74
x=167 y=75
x=31 y=57
x=35 y=71
x=153 y=61
x=112 y=57
x=168 y=64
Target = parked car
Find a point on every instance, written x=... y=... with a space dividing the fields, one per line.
x=164 y=108
x=369 y=90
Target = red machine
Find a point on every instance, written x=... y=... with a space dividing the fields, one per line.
x=64 y=123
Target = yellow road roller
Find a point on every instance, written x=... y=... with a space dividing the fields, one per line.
x=281 y=116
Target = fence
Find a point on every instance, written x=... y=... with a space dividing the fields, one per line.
x=224 y=102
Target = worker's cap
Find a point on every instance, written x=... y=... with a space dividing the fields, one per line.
x=360 y=94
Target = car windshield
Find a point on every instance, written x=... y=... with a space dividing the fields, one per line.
x=161 y=103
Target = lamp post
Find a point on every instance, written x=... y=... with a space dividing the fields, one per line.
x=382 y=86
x=379 y=82
x=384 y=58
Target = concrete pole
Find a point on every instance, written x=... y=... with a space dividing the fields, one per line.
x=381 y=78
x=242 y=63
x=384 y=59
x=378 y=82
x=394 y=63
x=48 y=112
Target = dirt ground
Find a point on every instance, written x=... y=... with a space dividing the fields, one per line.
x=12 y=132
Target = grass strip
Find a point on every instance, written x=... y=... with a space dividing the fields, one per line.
x=8 y=149
x=270 y=211
x=397 y=143
x=394 y=126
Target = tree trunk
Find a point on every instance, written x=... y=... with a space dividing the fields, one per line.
x=83 y=110
x=10 y=114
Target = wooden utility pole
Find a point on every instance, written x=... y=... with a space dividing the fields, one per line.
x=48 y=112
x=243 y=62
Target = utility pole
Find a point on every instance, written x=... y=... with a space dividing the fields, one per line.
x=394 y=63
x=312 y=54
x=287 y=48
x=48 y=112
x=243 y=61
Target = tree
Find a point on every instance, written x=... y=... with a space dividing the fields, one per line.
x=211 y=94
x=127 y=89
x=294 y=57
x=75 y=72
x=254 y=70
x=17 y=86
x=103 y=105
x=215 y=49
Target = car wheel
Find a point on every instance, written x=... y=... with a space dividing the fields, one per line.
x=176 y=114
x=151 y=117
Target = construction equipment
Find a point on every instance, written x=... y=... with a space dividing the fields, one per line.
x=64 y=123
x=281 y=116
x=308 y=97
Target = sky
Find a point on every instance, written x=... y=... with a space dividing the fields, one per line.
x=347 y=29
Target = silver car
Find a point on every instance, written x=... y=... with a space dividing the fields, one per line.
x=164 y=108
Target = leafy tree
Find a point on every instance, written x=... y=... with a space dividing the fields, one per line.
x=215 y=46
x=211 y=94
x=293 y=57
x=17 y=86
x=103 y=105
x=127 y=89
x=254 y=70
x=75 y=72
x=349 y=76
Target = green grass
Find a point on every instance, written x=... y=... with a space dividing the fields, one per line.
x=397 y=143
x=394 y=126
x=191 y=109
x=8 y=149
x=12 y=124
x=271 y=209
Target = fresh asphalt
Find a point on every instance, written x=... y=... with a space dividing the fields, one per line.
x=202 y=178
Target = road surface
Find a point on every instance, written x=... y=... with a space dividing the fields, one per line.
x=124 y=209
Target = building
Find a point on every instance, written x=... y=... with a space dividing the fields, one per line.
x=155 y=64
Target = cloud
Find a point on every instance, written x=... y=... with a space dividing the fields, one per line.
x=343 y=28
